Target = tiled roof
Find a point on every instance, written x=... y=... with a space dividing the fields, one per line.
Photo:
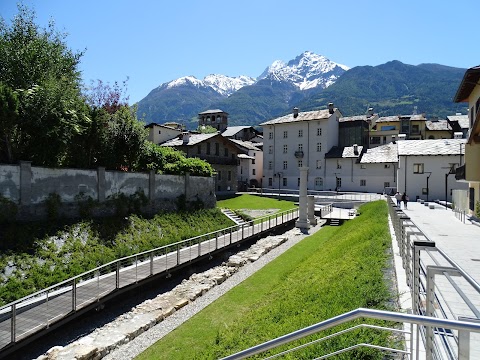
x=394 y=118
x=343 y=152
x=245 y=144
x=469 y=81
x=193 y=139
x=431 y=147
x=245 y=156
x=438 y=125
x=388 y=119
x=462 y=120
x=151 y=125
x=213 y=111
x=381 y=154
x=302 y=116
x=233 y=130
x=354 y=118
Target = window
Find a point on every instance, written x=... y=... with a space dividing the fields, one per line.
x=285 y=134
x=217 y=149
x=363 y=182
x=270 y=181
x=253 y=161
x=270 y=165
x=284 y=181
x=270 y=135
x=229 y=175
x=453 y=167
x=318 y=182
x=253 y=171
x=285 y=149
x=387 y=127
x=319 y=164
x=226 y=152
x=415 y=129
x=219 y=175
x=319 y=147
x=241 y=170
x=319 y=131
x=339 y=183
x=285 y=165
x=300 y=163
x=418 y=168
x=387 y=166
x=208 y=148
x=199 y=149
x=300 y=147
x=375 y=140
x=339 y=164
x=363 y=166
x=270 y=149
x=298 y=182
x=159 y=132
x=300 y=133
x=386 y=184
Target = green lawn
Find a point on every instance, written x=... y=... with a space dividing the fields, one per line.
x=336 y=270
x=254 y=202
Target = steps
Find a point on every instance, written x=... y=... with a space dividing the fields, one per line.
x=232 y=216
x=334 y=222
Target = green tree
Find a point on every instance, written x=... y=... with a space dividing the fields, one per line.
x=37 y=65
x=8 y=119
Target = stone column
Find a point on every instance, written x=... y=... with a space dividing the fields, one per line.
x=101 y=184
x=311 y=210
x=302 y=221
x=25 y=183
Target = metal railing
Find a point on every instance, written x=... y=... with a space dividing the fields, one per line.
x=319 y=195
x=439 y=287
x=463 y=328
x=36 y=312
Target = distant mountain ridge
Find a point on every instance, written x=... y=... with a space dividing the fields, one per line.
x=309 y=81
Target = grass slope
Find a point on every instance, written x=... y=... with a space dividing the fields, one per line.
x=336 y=270
x=254 y=202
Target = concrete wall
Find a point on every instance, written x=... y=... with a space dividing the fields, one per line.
x=29 y=187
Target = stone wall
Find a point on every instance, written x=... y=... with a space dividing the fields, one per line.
x=30 y=187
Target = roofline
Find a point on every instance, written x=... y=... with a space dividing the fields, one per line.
x=468 y=83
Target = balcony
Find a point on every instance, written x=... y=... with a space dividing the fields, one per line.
x=299 y=154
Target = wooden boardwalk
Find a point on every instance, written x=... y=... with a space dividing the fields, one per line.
x=35 y=314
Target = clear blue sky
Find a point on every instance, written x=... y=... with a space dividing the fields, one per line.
x=153 y=42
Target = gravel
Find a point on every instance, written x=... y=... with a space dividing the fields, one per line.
x=148 y=338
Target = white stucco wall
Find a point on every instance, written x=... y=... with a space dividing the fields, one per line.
x=10 y=182
x=126 y=183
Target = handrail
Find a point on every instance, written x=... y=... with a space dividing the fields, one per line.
x=353 y=315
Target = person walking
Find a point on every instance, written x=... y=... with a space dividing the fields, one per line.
x=398 y=196
x=405 y=200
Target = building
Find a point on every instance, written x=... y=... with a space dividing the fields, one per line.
x=387 y=128
x=217 y=150
x=356 y=129
x=459 y=123
x=378 y=166
x=158 y=133
x=425 y=168
x=438 y=129
x=216 y=118
x=245 y=133
x=469 y=92
x=341 y=169
x=299 y=139
x=250 y=168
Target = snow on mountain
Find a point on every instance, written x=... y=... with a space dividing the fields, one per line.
x=185 y=80
x=226 y=85
x=306 y=71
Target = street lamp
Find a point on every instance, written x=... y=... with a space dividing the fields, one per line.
x=428 y=177
x=279 y=175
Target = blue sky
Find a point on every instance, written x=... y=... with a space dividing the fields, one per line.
x=153 y=42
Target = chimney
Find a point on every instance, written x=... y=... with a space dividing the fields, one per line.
x=185 y=137
x=402 y=137
x=295 y=112
x=370 y=112
x=394 y=137
x=355 y=149
x=458 y=135
x=330 y=108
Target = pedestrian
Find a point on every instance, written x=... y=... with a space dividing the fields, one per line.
x=398 y=196
x=405 y=200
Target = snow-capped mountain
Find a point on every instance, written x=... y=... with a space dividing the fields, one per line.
x=306 y=71
x=226 y=85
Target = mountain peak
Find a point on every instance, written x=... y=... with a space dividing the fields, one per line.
x=226 y=85
x=306 y=71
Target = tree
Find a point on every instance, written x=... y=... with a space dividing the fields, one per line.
x=8 y=119
x=37 y=65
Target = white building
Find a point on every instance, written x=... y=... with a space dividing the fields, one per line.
x=426 y=168
x=158 y=133
x=296 y=140
x=341 y=170
x=378 y=168
x=250 y=169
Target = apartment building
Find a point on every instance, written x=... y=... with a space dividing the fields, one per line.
x=299 y=139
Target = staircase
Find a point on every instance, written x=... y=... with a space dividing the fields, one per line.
x=334 y=222
x=234 y=217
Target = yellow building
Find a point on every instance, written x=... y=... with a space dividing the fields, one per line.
x=469 y=91
x=386 y=128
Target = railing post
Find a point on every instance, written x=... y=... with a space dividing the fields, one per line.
x=13 y=324
x=117 y=276
x=151 y=263
x=216 y=240
x=429 y=311
x=463 y=345
x=230 y=236
x=74 y=295
x=47 y=312
x=242 y=231
x=178 y=254
x=136 y=269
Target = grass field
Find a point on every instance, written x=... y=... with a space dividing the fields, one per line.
x=254 y=202
x=336 y=270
